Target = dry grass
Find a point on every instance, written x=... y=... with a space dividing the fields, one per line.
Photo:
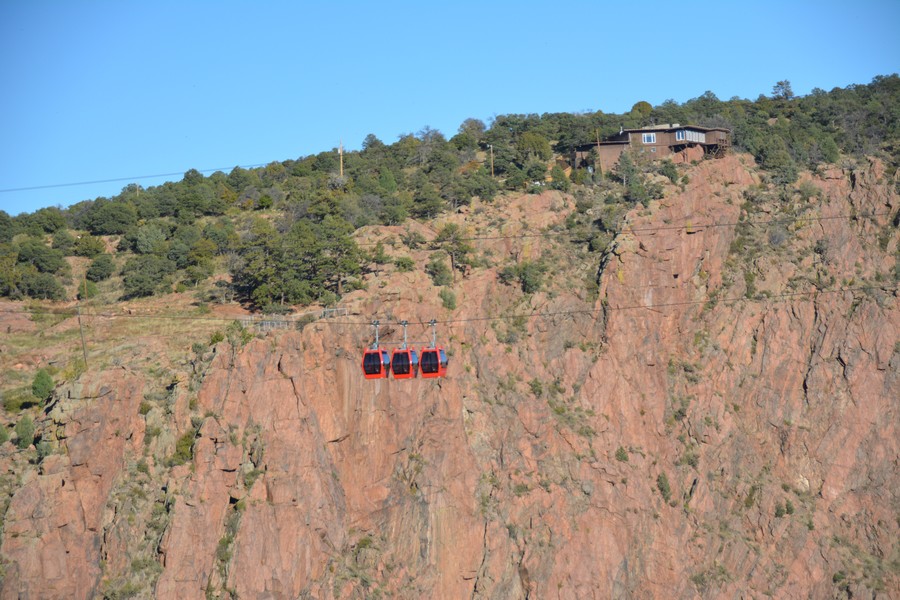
x=157 y=332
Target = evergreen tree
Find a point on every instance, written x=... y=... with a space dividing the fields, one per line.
x=42 y=385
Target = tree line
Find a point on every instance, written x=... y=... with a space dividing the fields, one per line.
x=284 y=231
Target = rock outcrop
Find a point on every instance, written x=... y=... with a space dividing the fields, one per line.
x=719 y=420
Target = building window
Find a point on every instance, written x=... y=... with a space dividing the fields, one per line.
x=679 y=135
x=649 y=138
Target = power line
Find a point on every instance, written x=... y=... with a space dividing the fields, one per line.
x=135 y=178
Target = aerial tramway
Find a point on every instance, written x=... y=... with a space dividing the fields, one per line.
x=405 y=362
x=376 y=363
x=434 y=359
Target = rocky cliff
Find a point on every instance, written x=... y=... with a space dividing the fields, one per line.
x=709 y=408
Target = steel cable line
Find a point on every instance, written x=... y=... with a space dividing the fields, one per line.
x=485 y=318
x=135 y=178
x=539 y=314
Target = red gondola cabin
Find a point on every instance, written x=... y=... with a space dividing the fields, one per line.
x=376 y=363
x=405 y=363
x=433 y=363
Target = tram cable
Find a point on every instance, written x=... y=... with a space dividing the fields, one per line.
x=484 y=318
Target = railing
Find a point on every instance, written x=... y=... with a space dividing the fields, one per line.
x=265 y=323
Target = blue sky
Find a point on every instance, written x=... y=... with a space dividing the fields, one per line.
x=96 y=90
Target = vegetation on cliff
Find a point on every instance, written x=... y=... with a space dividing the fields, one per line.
x=253 y=223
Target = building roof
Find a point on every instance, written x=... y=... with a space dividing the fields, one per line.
x=673 y=127
x=621 y=139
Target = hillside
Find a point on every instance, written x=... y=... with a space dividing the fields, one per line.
x=694 y=395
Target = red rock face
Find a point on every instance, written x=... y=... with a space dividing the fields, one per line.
x=677 y=438
x=53 y=529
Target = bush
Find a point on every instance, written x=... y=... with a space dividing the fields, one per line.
x=413 y=239
x=24 y=432
x=64 y=242
x=4 y=434
x=183 y=449
x=668 y=169
x=438 y=270
x=43 y=286
x=404 y=263
x=89 y=246
x=42 y=385
x=33 y=251
x=448 y=298
x=529 y=274
x=662 y=484
x=145 y=274
x=44 y=449
x=111 y=218
x=559 y=180
x=102 y=268
x=621 y=454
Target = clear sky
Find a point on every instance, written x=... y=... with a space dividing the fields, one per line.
x=95 y=90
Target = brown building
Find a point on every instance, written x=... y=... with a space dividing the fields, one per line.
x=681 y=143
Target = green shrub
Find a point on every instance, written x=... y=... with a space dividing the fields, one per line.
x=4 y=434
x=101 y=268
x=24 y=432
x=63 y=241
x=41 y=285
x=662 y=484
x=237 y=334
x=146 y=274
x=448 y=298
x=42 y=385
x=413 y=239
x=668 y=169
x=89 y=246
x=404 y=263
x=529 y=275
x=438 y=270
x=621 y=454
x=184 y=449
x=44 y=449
x=559 y=181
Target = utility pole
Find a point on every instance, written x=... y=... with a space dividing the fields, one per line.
x=341 y=155
x=80 y=326
x=491 y=146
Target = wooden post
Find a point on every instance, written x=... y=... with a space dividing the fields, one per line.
x=80 y=326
